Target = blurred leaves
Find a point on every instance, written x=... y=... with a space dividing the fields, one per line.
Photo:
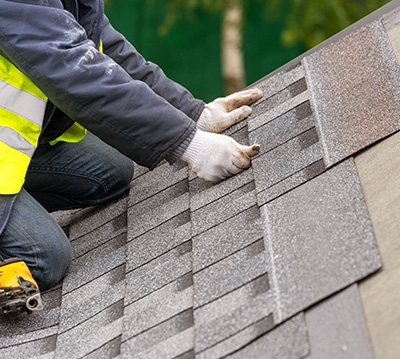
x=308 y=22
x=312 y=21
x=177 y=9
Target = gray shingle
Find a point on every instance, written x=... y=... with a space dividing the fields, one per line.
x=108 y=350
x=156 y=181
x=320 y=237
x=238 y=340
x=294 y=89
x=40 y=348
x=203 y=193
x=337 y=328
x=224 y=208
x=229 y=273
x=100 y=235
x=90 y=299
x=277 y=83
x=284 y=128
x=228 y=315
x=170 y=339
x=356 y=91
x=159 y=272
x=291 y=182
x=257 y=120
x=286 y=160
x=289 y=340
x=158 y=241
x=158 y=209
x=16 y=337
x=86 y=220
x=91 y=334
x=158 y=307
x=227 y=238
x=96 y=263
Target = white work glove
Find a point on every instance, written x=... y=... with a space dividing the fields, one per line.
x=214 y=157
x=223 y=112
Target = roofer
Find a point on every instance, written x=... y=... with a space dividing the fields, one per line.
x=64 y=71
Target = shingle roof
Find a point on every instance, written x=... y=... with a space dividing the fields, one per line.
x=265 y=264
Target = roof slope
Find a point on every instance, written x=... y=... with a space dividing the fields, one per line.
x=265 y=263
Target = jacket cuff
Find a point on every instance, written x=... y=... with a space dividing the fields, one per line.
x=195 y=115
x=177 y=153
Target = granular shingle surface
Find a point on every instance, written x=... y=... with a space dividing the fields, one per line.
x=264 y=264
x=355 y=84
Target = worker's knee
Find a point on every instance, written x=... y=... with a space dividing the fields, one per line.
x=53 y=264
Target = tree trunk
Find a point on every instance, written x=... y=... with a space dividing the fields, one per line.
x=232 y=53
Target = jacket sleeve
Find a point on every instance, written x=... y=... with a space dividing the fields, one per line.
x=121 y=51
x=47 y=44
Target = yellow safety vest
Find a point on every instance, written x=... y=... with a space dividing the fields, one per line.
x=22 y=108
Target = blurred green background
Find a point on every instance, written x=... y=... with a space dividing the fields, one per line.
x=184 y=36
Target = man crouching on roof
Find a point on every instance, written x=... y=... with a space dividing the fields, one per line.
x=65 y=71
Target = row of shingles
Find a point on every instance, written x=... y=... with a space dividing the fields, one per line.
x=35 y=335
x=158 y=315
x=334 y=328
x=283 y=123
x=93 y=291
x=233 y=301
x=350 y=252
x=234 y=257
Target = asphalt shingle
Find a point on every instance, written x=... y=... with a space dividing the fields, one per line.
x=320 y=237
x=331 y=332
x=356 y=90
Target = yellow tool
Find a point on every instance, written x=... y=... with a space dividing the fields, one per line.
x=19 y=292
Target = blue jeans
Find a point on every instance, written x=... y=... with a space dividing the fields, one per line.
x=64 y=176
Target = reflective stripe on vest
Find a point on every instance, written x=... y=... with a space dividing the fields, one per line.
x=22 y=108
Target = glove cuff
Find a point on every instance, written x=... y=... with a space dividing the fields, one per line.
x=176 y=154
x=196 y=146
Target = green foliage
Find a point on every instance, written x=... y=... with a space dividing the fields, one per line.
x=309 y=22
x=312 y=21
x=177 y=9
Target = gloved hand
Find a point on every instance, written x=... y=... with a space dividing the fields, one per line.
x=214 y=157
x=223 y=112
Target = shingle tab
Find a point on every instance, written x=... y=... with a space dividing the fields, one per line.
x=227 y=238
x=40 y=348
x=99 y=236
x=86 y=220
x=337 y=328
x=170 y=339
x=159 y=272
x=159 y=240
x=289 y=340
x=90 y=299
x=158 y=209
x=239 y=339
x=236 y=311
x=230 y=273
x=224 y=208
x=96 y=263
x=320 y=237
x=157 y=307
x=156 y=181
x=285 y=160
x=356 y=91
x=93 y=333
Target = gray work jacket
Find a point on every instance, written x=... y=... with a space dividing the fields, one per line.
x=125 y=100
